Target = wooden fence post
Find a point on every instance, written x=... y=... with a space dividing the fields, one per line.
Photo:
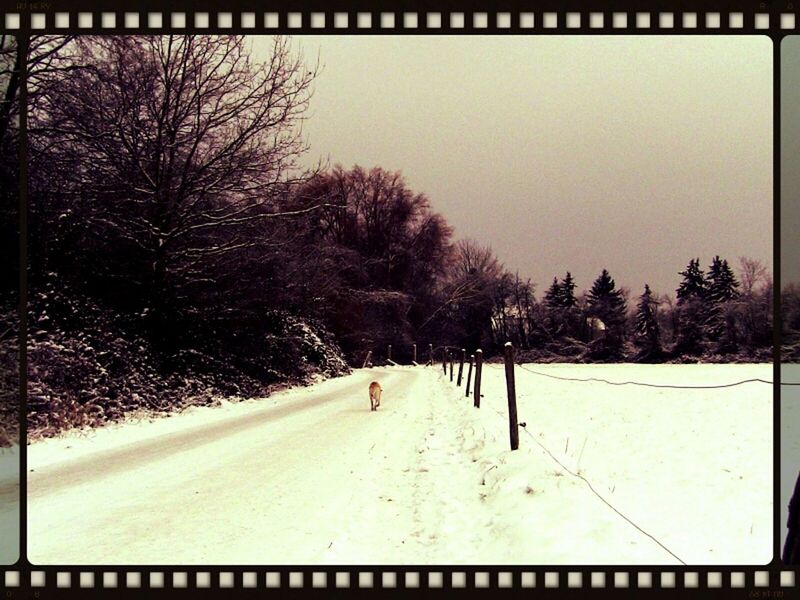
x=791 y=549
x=430 y=354
x=478 y=369
x=389 y=353
x=469 y=373
x=451 y=366
x=414 y=353
x=513 y=428
x=366 y=360
x=461 y=366
x=444 y=361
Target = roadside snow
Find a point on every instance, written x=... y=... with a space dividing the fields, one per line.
x=142 y=427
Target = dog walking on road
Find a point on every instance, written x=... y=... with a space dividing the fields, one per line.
x=374 y=395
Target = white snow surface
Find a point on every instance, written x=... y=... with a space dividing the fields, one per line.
x=311 y=476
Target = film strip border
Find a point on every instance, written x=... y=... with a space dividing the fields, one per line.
x=408 y=22
x=759 y=582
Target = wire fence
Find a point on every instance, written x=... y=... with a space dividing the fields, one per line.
x=448 y=356
x=509 y=367
x=594 y=491
x=639 y=383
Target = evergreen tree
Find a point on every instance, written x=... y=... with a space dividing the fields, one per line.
x=552 y=297
x=692 y=310
x=568 y=299
x=722 y=289
x=647 y=330
x=721 y=282
x=607 y=304
x=693 y=284
x=569 y=302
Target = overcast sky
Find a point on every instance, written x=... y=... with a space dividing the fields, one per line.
x=564 y=153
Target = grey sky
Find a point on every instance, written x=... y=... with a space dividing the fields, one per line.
x=564 y=153
x=790 y=159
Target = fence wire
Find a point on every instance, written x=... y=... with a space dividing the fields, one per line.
x=639 y=383
x=594 y=491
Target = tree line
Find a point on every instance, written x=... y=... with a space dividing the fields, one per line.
x=167 y=189
x=713 y=314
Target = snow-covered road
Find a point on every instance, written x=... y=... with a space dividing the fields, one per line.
x=275 y=482
x=311 y=476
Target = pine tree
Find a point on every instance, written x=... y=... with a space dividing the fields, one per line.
x=692 y=310
x=693 y=284
x=552 y=297
x=607 y=304
x=722 y=290
x=721 y=282
x=569 y=305
x=568 y=299
x=647 y=330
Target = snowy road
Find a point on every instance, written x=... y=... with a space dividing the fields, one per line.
x=311 y=476
x=242 y=488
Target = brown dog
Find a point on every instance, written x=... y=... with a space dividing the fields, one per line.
x=375 y=390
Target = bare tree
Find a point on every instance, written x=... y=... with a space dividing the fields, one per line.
x=171 y=149
x=375 y=252
x=752 y=274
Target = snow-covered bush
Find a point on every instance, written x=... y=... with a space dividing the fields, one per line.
x=88 y=365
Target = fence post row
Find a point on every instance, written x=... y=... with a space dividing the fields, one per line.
x=513 y=428
x=791 y=549
x=478 y=369
x=469 y=374
x=461 y=366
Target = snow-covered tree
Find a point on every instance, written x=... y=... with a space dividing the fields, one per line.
x=552 y=297
x=721 y=284
x=607 y=303
x=165 y=157
x=568 y=299
x=691 y=309
x=693 y=284
x=647 y=329
x=721 y=290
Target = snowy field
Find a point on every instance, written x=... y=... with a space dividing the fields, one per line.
x=693 y=468
x=790 y=441
x=9 y=505
x=311 y=476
